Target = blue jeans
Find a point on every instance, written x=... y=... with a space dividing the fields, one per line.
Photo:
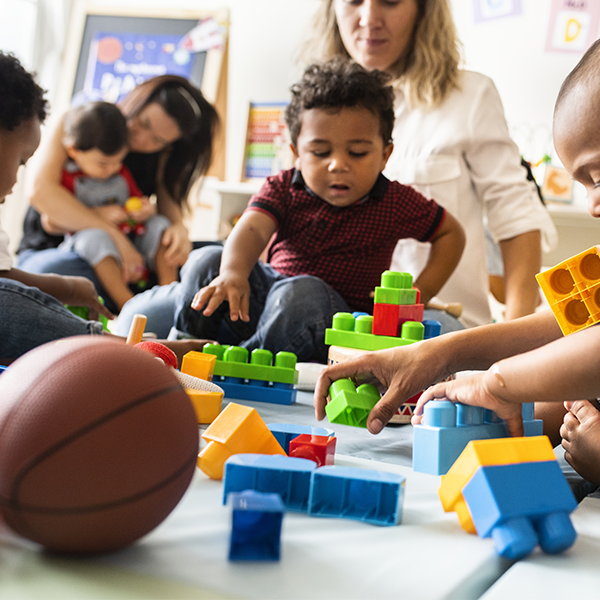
x=31 y=318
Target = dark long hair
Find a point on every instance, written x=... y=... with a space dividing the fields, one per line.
x=190 y=156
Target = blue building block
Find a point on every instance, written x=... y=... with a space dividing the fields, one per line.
x=374 y=497
x=285 y=432
x=258 y=391
x=283 y=475
x=447 y=428
x=2 y=369
x=255 y=526
x=520 y=505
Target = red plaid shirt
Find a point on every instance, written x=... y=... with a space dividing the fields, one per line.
x=348 y=248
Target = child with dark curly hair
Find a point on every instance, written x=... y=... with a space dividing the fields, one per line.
x=330 y=225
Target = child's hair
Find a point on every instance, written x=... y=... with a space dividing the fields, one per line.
x=341 y=83
x=99 y=125
x=21 y=98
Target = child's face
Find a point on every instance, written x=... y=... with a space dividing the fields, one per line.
x=340 y=154
x=96 y=164
x=576 y=133
x=16 y=148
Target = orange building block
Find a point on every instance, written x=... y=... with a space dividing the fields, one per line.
x=199 y=364
x=237 y=430
x=207 y=405
x=572 y=289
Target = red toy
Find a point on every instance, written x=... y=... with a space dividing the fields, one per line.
x=98 y=443
x=318 y=448
x=160 y=351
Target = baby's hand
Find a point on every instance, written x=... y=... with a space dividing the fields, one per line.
x=143 y=211
x=227 y=286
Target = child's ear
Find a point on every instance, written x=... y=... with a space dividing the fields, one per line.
x=387 y=152
x=296 y=156
x=71 y=152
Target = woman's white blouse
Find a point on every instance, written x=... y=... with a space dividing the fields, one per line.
x=461 y=155
x=6 y=261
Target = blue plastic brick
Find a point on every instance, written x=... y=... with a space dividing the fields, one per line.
x=258 y=391
x=447 y=429
x=2 y=369
x=522 y=505
x=283 y=475
x=285 y=432
x=374 y=497
x=255 y=526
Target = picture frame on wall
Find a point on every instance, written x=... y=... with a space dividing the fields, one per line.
x=557 y=185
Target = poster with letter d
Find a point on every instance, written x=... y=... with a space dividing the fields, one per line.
x=573 y=25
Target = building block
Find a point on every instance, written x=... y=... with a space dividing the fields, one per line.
x=521 y=505
x=318 y=448
x=485 y=453
x=238 y=429
x=385 y=319
x=447 y=428
x=351 y=405
x=256 y=520
x=572 y=289
x=409 y=312
x=287 y=476
x=285 y=432
x=83 y=313
x=207 y=405
x=371 y=496
x=199 y=364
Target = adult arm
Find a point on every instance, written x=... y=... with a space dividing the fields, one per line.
x=407 y=370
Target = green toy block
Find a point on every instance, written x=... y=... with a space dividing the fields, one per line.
x=396 y=288
x=83 y=312
x=232 y=361
x=351 y=405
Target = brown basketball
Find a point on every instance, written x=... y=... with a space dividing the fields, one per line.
x=98 y=443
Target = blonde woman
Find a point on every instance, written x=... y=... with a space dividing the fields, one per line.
x=451 y=142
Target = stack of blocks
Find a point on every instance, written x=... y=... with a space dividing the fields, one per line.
x=397 y=321
x=572 y=289
x=259 y=380
x=447 y=429
x=513 y=491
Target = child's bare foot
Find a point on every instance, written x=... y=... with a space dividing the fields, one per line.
x=182 y=347
x=581 y=439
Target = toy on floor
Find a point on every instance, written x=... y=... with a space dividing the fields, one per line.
x=572 y=289
x=448 y=427
x=285 y=432
x=318 y=448
x=256 y=520
x=259 y=380
x=513 y=491
x=98 y=443
x=351 y=405
x=84 y=311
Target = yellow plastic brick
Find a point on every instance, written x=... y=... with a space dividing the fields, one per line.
x=199 y=364
x=207 y=405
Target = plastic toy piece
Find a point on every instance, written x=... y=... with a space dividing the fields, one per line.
x=374 y=497
x=289 y=477
x=521 y=505
x=572 y=289
x=199 y=364
x=256 y=520
x=485 y=453
x=83 y=312
x=447 y=428
x=318 y=448
x=207 y=405
x=238 y=429
x=385 y=319
x=351 y=405
x=259 y=392
x=285 y=432
x=409 y=312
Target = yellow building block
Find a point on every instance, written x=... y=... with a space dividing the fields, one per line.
x=207 y=405
x=485 y=453
x=238 y=429
x=199 y=364
x=572 y=289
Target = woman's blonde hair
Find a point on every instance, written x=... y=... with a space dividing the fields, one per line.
x=426 y=73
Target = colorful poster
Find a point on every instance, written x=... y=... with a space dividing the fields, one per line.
x=117 y=62
x=484 y=10
x=573 y=25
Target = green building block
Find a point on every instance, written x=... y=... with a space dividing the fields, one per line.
x=83 y=311
x=232 y=361
x=396 y=288
x=351 y=405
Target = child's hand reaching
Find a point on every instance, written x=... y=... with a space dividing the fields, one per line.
x=80 y=291
x=474 y=391
x=144 y=210
x=227 y=286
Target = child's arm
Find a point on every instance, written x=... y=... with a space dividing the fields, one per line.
x=564 y=370
x=76 y=291
x=244 y=245
x=447 y=246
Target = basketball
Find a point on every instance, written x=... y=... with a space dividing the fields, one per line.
x=98 y=443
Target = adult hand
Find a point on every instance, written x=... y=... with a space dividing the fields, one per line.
x=474 y=391
x=113 y=213
x=228 y=286
x=402 y=372
x=80 y=291
x=177 y=241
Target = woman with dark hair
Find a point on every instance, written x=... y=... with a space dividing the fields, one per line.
x=171 y=131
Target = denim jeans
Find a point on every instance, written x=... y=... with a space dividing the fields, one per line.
x=31 y=318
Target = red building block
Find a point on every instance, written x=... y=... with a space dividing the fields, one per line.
x=318 y=448
x=408 y=312
x=385 y=319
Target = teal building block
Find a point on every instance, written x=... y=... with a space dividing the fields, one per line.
x=447 y=429
x=522 y=505
x=351 y=405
